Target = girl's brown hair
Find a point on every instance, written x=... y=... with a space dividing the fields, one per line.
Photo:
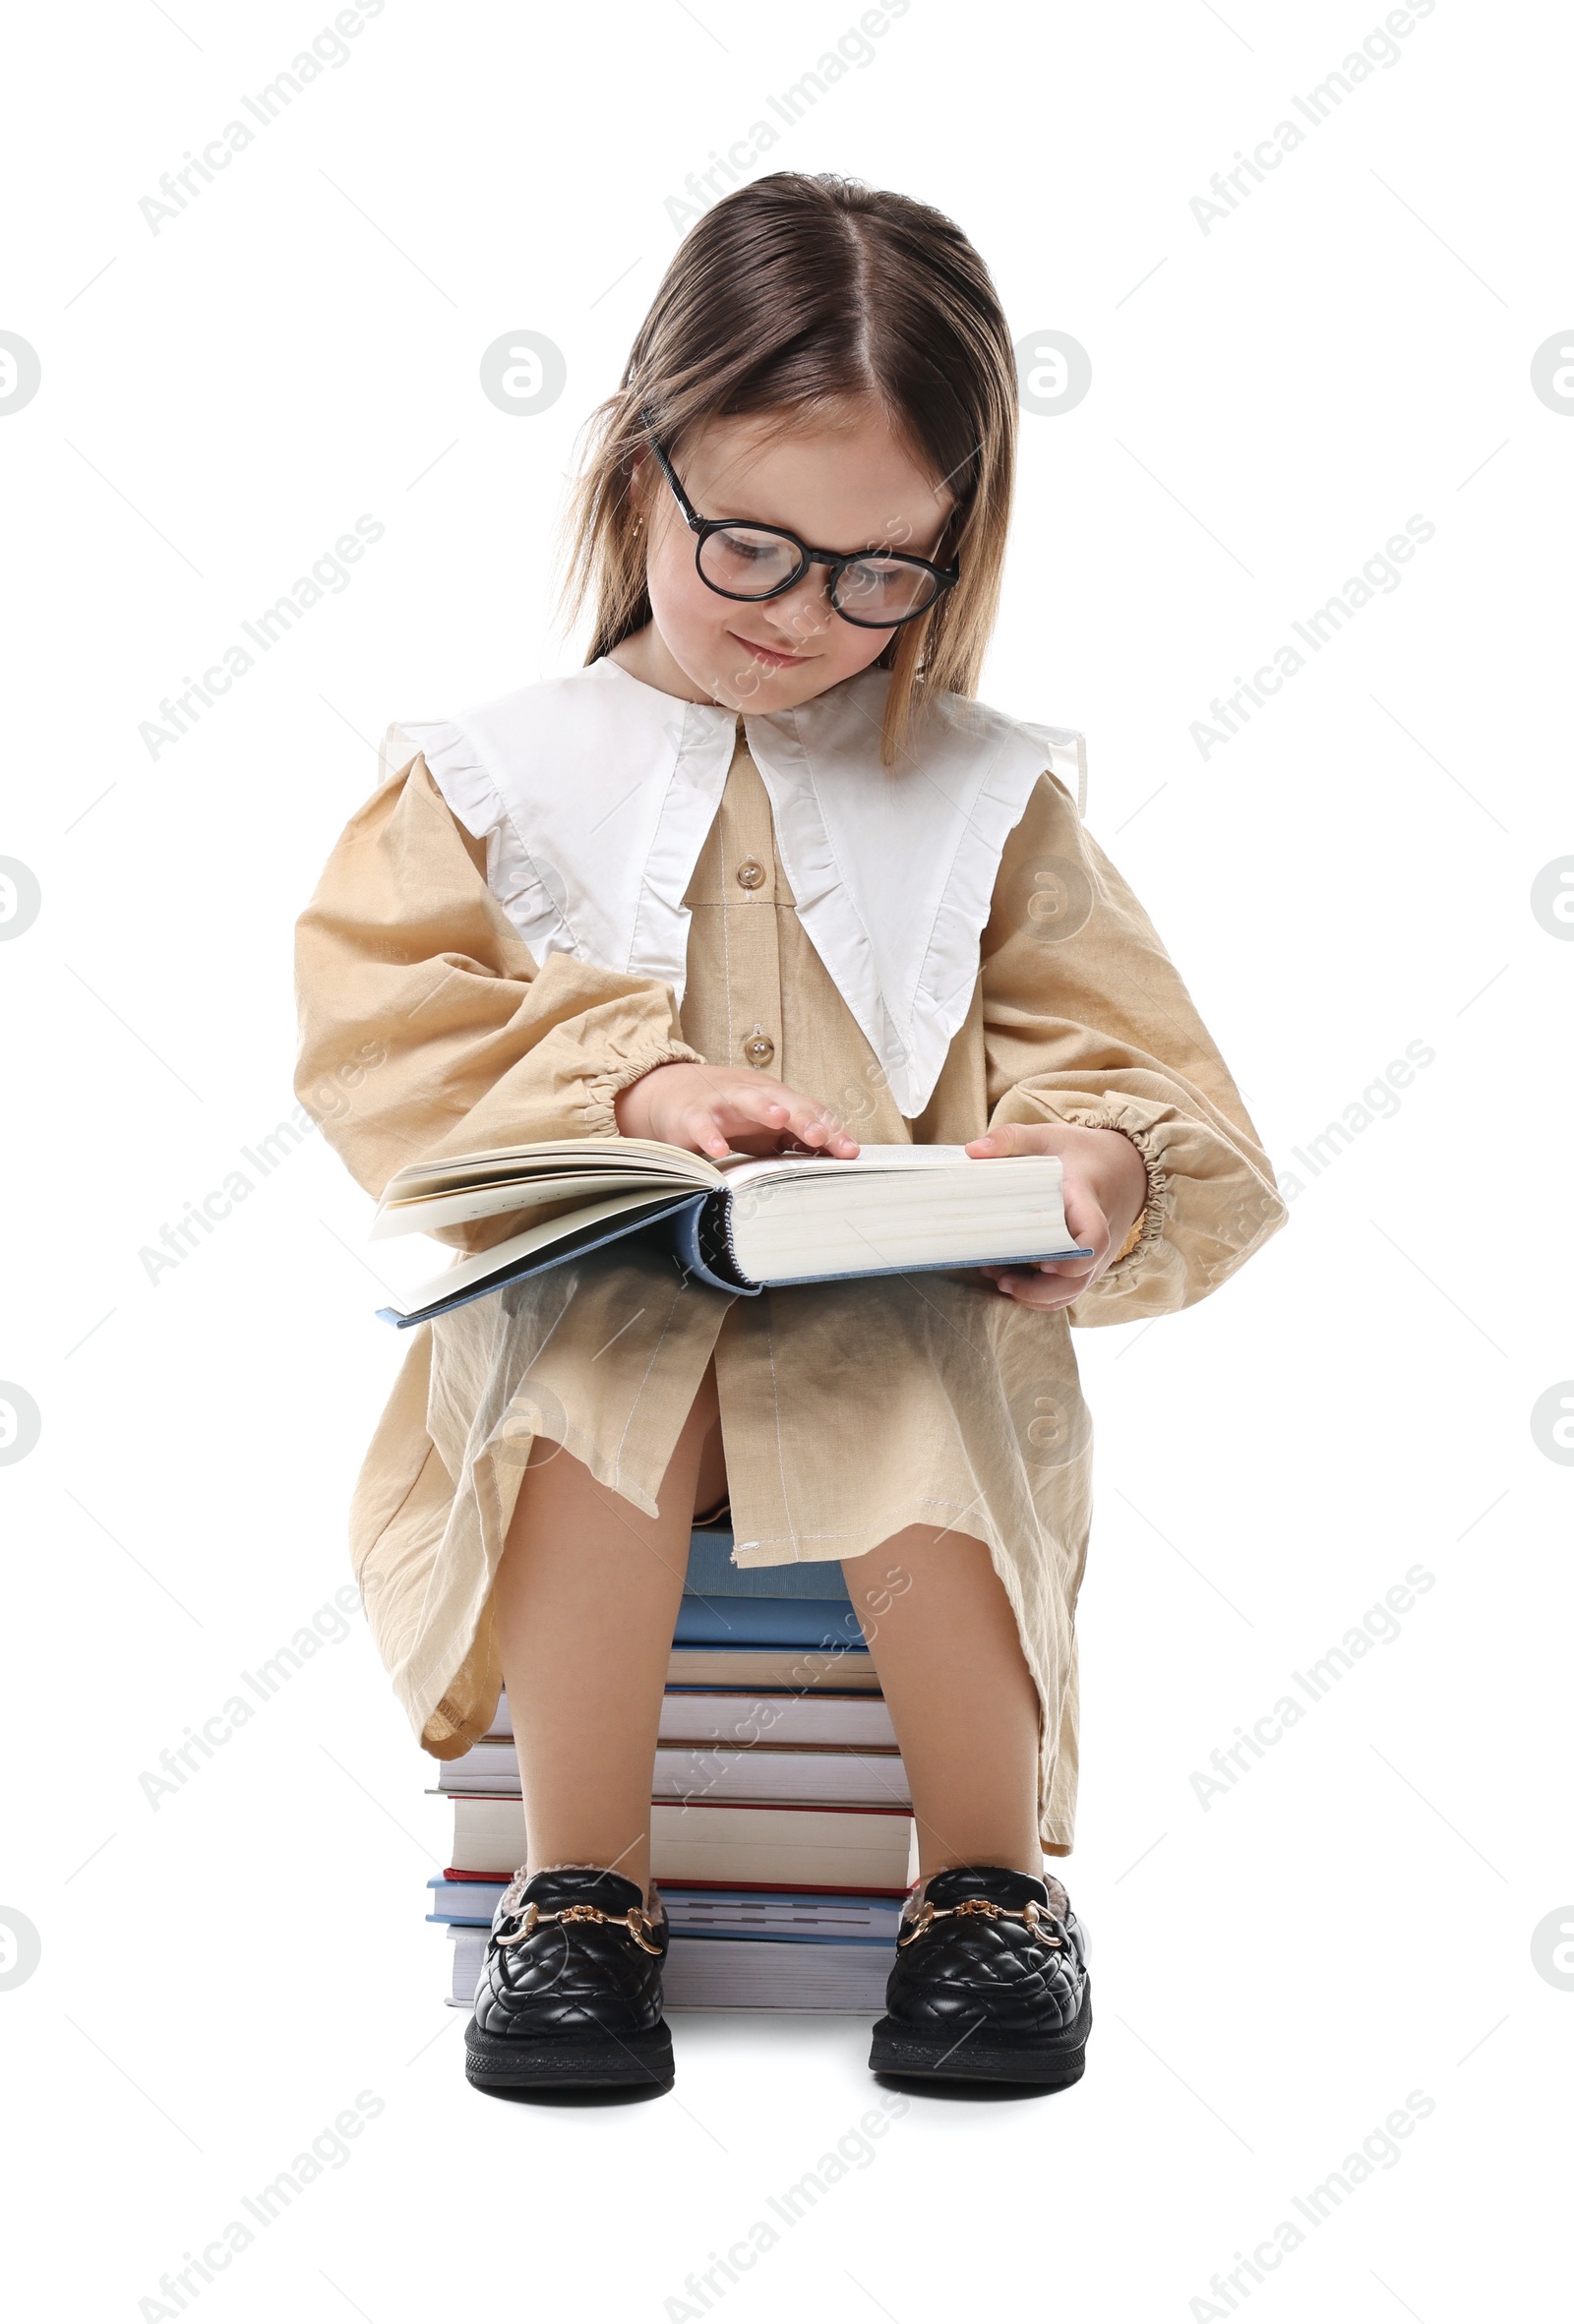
x=799 y=295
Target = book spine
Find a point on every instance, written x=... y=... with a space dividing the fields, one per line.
x=722 y=1205
x=701 y=1241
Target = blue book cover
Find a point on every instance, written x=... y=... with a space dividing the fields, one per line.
x=712 y=1574
x=766 y=1621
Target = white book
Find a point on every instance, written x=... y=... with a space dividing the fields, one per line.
x=709 y=1973
x=859 y=1722
x=723 y=1845
x=745 y=1713
x=763 y=1773
x=802 y=1917
x=778 y=1670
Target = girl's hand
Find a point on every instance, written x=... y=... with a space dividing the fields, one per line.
x=720 y=1109
x=1104 y=1189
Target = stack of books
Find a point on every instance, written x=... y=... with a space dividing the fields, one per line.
x=781 y=1827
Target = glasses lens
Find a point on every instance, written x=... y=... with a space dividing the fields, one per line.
x=879 y=590
x=744 y=561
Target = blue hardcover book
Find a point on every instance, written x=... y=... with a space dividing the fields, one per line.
x=766 y=1621
x=712 y=1574
x=744 y=1225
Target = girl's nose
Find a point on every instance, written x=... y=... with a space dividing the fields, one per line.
x=804 y=610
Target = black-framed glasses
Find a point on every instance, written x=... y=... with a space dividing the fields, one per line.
x=872 y=588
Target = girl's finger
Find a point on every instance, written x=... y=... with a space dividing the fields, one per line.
x=704 y=1132
x=1084 y=1220
x=811 y=1124
x=1036 y=1287
x=825 y=1128
x=770 y=1105
x=1078 y=1272
x=1073 y=1269
x=837 y=1140
x=1031 y=1290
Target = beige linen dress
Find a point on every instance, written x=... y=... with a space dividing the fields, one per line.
x=848 y=1410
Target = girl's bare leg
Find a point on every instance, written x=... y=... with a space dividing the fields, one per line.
x=586 y=1598
x=962 y=1698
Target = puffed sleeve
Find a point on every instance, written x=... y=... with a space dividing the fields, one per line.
x=427 y=1029
x=1086 y=1020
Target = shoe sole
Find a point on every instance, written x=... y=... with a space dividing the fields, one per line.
x=940 y=2055
x=579 y=2061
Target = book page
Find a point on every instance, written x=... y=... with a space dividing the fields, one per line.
x=423 y=1214
x=750 y=1169
x=521 y=1246
x=643 y=1160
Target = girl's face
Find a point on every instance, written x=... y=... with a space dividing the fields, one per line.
x=842 y=487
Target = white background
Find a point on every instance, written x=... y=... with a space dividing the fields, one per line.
x=1271 y=399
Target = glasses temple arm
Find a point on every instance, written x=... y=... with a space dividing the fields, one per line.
x=691 y=515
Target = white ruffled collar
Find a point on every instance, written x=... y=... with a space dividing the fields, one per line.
x=595 y=794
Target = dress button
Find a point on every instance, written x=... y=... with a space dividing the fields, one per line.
x=758 y=1047
x=751 y=875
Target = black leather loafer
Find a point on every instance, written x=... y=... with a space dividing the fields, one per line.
x=989 y=1983
x=569 y=1993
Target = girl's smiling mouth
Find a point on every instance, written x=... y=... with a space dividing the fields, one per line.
x=768 y=654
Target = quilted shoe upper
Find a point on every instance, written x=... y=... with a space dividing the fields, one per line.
x=572 y=1976
x=1022 y=1979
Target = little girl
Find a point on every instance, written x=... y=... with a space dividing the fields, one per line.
x=763 y=876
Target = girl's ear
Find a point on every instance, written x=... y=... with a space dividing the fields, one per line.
x=638 y=485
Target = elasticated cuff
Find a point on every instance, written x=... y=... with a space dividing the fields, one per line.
x=599 y=1112
x=1150 y=1225
x=1156 y=1210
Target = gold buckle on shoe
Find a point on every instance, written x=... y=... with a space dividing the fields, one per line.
x=1031 y=1913
x=633 y=1920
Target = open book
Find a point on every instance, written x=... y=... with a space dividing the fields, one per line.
x=743 y=1225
